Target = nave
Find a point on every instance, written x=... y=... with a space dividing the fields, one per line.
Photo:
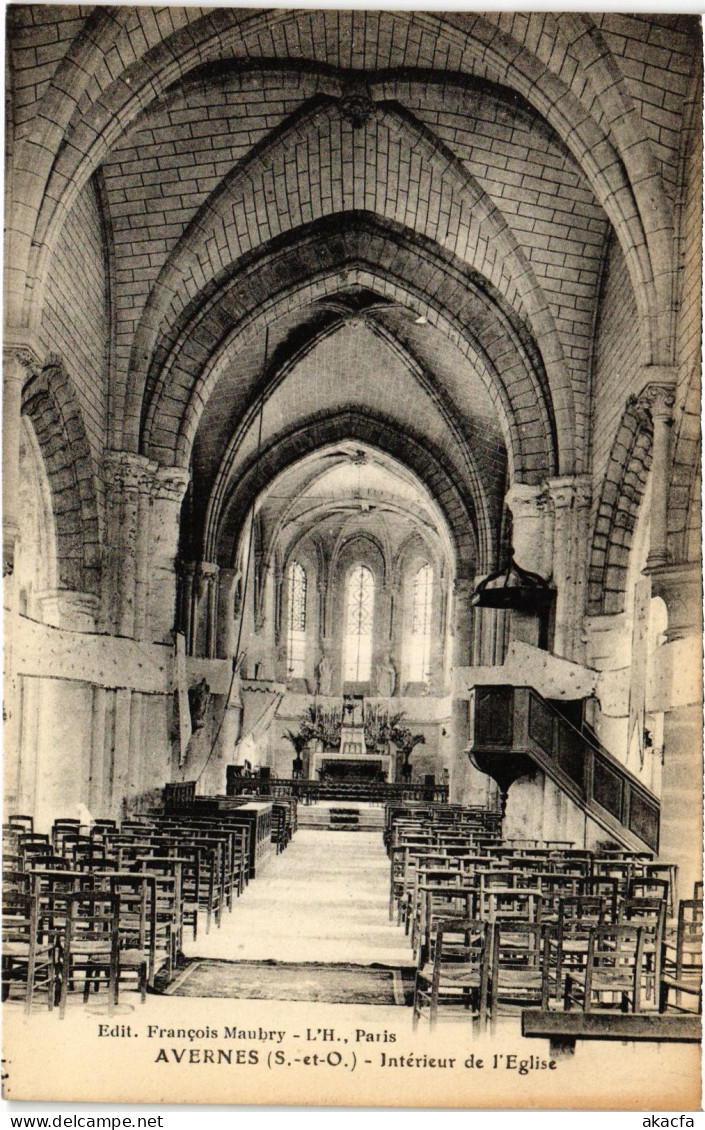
x=318 y=904
x=324 y=900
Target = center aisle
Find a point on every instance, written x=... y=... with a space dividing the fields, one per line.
x=324 y=899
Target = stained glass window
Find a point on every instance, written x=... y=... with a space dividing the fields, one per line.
x=420 y=642
x=296 y=624
x=359 y=615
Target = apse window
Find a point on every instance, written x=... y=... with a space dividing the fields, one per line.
x=296 y=628
x=420 y=642
x=357 y=662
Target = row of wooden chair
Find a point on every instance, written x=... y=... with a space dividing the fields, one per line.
x=565 y=901
x=486 y=967
x=97 y=906
x=53 y=942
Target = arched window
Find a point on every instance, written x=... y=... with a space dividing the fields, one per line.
x=296 y=623
x=420 y=643
x=359 y=609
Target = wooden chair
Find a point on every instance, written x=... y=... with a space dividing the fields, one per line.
x=519 y=962
x=62 y=828
x=48 y=862
x=567 y=944
x=511 y=904
x=683 y=971
x=613 y=971
x=668 y=871
x=650 y=914
x=135 y=897
x=427 y=878
x=21 y=822
x=555 y=887
x=169 y=916
x=648 y=886
x=90 y=944
x=459 y=973
x=33 y=843
x=607 y=888
x=29 y=956
x=620 y=869
x=442 y=902
x=103 y=825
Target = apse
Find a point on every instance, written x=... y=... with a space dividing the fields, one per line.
x=348 y=566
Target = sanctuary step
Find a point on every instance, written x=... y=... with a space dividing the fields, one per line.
x=329 y=815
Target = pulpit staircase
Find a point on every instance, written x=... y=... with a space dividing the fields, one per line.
x=514 y=731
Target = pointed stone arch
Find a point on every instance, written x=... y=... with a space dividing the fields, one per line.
x=49 y=401
x=474 y=542
x=618 y=509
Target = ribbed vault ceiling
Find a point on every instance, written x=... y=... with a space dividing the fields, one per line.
x=361 y=219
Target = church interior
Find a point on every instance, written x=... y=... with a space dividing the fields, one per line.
x=351 y=493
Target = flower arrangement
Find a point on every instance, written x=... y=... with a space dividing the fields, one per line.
x=380 y=728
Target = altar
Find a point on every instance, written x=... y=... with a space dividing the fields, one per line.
x=325 y=764
x=351 y=761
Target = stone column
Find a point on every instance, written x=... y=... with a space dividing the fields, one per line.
x=204 y=605
x=187 y=575
x=570 y=498
x=136 y=747
x=659 y=397
x=19 y=364
x=143 y=556
x=212 y=610
x=462 y=621
x=168 y=488
x=121 y=750
x=677 y=684
x=227 y=624
x=278 y=578
x=97 y=770
x=129 y=481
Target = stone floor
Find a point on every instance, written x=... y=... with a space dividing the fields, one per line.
x=324 y=899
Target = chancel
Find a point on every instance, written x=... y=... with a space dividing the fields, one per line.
x=351 y=484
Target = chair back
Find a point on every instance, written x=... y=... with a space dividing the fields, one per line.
x=578 y=914
x=519 y=963
x=465 y=942
x=689 y=937
x=614 y=965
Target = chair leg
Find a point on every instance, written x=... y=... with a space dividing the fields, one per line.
x=31 y=970
x=567 y=992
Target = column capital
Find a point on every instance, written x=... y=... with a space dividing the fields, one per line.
x=128 y=471
x=526 y=501
x=658 y=397
x=680 y=588
x=208 y=569
x=170 y=483
x=24 y=347
x=20 y=362
x=463 y=586
x=569 y=491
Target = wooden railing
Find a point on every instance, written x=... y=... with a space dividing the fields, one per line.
x=507 y=720
x=379 y=792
